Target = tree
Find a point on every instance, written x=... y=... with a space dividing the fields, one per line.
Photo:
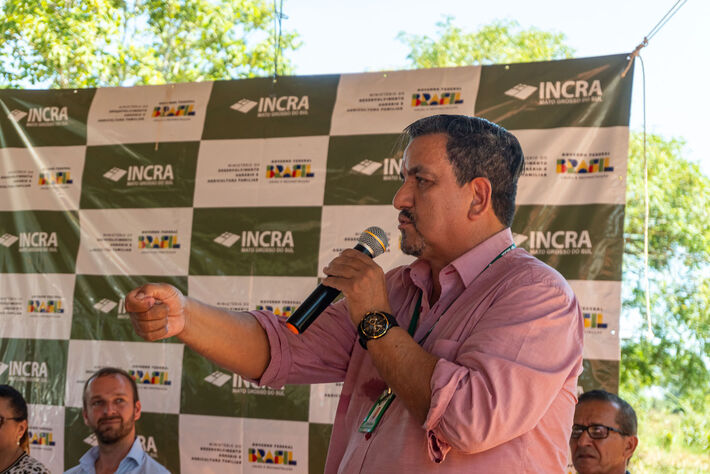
x=677 y=357
x=122 y=42
x=500 y=42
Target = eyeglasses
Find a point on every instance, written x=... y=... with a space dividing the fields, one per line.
x=3 y=418
x=594 y=431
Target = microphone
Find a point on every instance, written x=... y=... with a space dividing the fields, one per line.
x=372 y=242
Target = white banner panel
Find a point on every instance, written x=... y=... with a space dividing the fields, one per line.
x=601 y=308
x=343 y=225
x=275 y=446
x=579 y=165
x=261 y=172
x=135 y=241
x=157 y=369
x=36 y=306
x=46 y=433
x=324 y=402
x=211 y=444
x=386 y=102
x=42 y=178
x=169 y=113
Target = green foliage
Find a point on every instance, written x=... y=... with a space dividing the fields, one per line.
x=677 y=357
x=670 y=440
x=500 y=42
x=98 y=43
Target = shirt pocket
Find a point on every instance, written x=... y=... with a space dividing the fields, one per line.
x=445 y=349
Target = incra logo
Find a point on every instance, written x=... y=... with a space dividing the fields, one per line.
x=25 y=370
x=559 y=92
x=391 y=167
x=561 y=242
x=259 y=241
x=106 y=305
x=32 y=241
x=143 y=175
x=42 y=116
x=272 y=106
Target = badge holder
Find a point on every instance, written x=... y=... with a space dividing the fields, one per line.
x=375 y=414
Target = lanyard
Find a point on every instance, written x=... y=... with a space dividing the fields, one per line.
x=387 y=397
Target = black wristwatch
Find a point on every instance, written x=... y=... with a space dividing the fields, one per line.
x=374 y=325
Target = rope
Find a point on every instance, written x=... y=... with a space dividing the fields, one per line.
x=647 y=284
x=661 y=23
x=278 y=16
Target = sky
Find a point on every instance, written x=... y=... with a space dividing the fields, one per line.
x=342 y=37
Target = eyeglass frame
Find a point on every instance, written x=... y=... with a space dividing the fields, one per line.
x=3 y=418
x=589 y=433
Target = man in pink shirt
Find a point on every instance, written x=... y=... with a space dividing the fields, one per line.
x=483 y=380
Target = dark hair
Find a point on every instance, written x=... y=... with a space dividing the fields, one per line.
x=625 y=417
x=104 y=371
x=479 y=148
x=19 y=406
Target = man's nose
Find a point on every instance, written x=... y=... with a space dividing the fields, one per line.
x=403 y=197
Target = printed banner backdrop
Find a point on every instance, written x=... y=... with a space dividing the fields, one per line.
x=239 y=193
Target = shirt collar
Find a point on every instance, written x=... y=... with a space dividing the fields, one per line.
x=88 y=460
x=470 y=264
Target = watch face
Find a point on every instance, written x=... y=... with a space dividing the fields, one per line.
x=375 y=325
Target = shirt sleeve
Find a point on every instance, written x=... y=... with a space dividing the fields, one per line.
x=319 y=355
x=502 y=379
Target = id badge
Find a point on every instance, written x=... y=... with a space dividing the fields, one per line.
x=378 y=409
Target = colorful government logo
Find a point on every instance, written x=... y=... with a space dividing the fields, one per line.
x=45 y=305
x=302 y=170
x=158 y=241
x=265 y=456
x=54 y=177
x=150 y=377
x=594 y=320
x=184 y=110
x=573 y=166
x=427 y=99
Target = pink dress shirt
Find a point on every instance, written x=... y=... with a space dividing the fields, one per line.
x=509 y=343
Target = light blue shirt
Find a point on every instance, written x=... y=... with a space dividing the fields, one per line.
x=135 y=462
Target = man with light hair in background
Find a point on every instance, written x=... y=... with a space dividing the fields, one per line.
x=111 y=409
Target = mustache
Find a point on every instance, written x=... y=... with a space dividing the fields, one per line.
x=110 y=418
x=406 y=213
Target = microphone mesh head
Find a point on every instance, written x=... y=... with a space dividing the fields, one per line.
x=375 y=239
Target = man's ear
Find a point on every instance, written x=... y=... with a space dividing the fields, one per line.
x=137 y=411
x=480 y=197
x=86 y=418
x=630 y=446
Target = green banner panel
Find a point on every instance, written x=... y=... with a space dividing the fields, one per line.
x=36 y=368
x=139 y=175
x=363 y=169
x=580 y=242
x=265 y=241
x=43 y=118
x=157 y=432
x=600 y=374
x=38 y=241
x=208 y=389
x=262 y=108
x=319 y=439
x=99 y=305
x=588 y=92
